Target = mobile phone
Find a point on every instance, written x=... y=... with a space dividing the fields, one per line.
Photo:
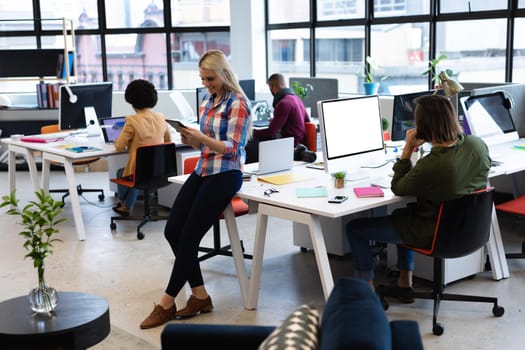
x=176 y=124
x=338 y=199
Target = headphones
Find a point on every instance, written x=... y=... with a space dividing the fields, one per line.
x=508 y=102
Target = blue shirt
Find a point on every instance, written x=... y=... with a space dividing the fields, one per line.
x=229 y=121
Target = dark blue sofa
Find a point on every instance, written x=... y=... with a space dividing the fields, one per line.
x=353 y=318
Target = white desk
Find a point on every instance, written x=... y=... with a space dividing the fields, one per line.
x=310 y=211
x=286 y=205
x=52 y=152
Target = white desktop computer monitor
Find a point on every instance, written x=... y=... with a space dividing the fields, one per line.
x=351 y=133
x=488 y=116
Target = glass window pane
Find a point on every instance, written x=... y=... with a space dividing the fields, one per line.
x=83 y=12
x=518 y=74
x=401 y=54
x=280 y=11
x=389 y=8
x=521 y=4
x=133 y=56
x=200 y=13
x=340 y=54
x=340 y=9
x=89 y=60
x=186 y=51
x=19 y=42
x=22 y=9
x=468 y=5
x=288 y=52
x=473 y=60
x=134 y=13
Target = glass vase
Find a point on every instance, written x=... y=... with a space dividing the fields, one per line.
x=43 y=299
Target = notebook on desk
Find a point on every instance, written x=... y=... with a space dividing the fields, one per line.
x=274 y=155
x=112 y=127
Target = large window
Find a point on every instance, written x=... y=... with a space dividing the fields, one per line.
x=473 y=35
x=133 y=38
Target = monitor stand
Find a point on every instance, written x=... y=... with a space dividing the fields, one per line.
x=92 y=126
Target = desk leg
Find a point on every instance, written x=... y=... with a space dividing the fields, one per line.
x=321 y=256
x=258 y=253
x=72 y=187
x=495 y=249
x=238 y=258
x=31 y=163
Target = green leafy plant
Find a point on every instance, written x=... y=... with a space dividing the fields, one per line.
x=384 y=123
x=300 y=90
x=339 y=174
x=432 y=69
x=370 y=67
x=39 y=220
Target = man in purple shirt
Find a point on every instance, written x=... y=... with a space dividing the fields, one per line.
x=288 y=120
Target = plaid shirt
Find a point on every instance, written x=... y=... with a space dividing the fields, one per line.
x=228 y=121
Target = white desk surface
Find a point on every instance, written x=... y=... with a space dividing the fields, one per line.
x=55 y=152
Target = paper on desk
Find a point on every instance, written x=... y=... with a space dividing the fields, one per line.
x=311 y=192
x=284 y=179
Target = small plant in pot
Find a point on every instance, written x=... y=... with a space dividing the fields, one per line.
x=339 y=179
x=39 y=219
x=371 y=85
x=300 y=90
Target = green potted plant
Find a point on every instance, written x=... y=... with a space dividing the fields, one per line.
x=432 y=70
x=39 y=219
x=339 y=179
x=300 y=90
x=384 y=126
x=370 y=84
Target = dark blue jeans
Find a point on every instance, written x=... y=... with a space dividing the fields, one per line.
x=197 y=207
x=363 y=230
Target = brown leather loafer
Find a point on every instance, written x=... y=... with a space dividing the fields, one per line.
x=195 y=306
x=159 y=316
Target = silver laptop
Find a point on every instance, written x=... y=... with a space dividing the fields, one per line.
x=274 y=156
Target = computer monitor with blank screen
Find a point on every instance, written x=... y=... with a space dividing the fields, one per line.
x=351 y=132
x=75 y=104
x=488 y=116
x=403 y=113
x=248 y=86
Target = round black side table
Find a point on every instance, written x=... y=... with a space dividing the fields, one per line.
x=81 y=321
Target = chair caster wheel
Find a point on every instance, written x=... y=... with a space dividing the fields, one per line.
x=498 y=311
x=101 y=197
x=438 y=329
x=140 y=235
x=112 y=226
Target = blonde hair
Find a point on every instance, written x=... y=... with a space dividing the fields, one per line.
x=216 y=61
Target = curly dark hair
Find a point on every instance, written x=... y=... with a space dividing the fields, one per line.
x=141 y=94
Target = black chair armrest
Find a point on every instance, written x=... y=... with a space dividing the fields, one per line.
x=405 y=335
x=213 y=336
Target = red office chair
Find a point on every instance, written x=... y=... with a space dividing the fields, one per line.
x=239 y=208
x=516 y=207
x=153 y=165
x=47 y=129
x=311 y=136
x=462 y=227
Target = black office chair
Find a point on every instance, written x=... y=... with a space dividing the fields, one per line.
x=239 y=208
x=46 y=129
x=153 y=165
x=462 y=227
x=516 y=207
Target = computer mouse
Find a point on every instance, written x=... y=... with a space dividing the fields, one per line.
x=5 y=101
